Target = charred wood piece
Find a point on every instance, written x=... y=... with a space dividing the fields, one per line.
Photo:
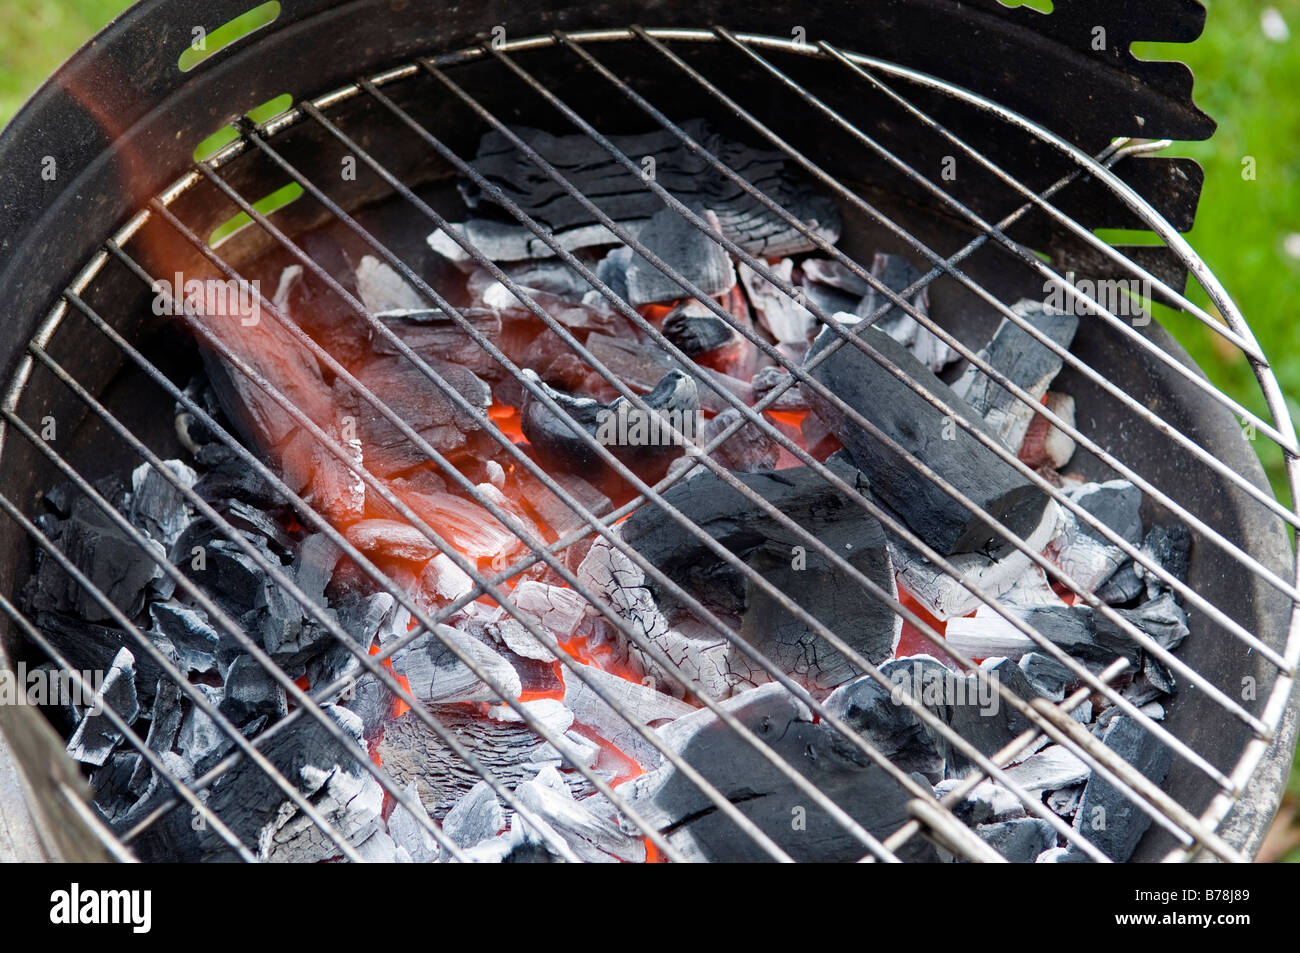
x=780 y=556
x=644 y=442
x=624 y=197
x=694 y=825
x=1024 y=361
x=919 y=428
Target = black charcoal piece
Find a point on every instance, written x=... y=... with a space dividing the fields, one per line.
x=891 y=728
x=1024 y=361
x=748 y=450
x=252 y=692
x=313 y=566
x=1049 y=677
x=1169 y=547
x=158 y=507
x=164 y=725
x=1109 y=819
x=784 y=559
x=1019 y=841
x=201 y=739
x=97 y=736
x=1116 y=504
x=117 y=565
x=89 y=647
x=919 y=428
x=625 y=198
x=971 y=706
x=696 y=330
x=645 y=442
x=256 y=520
x=1123 y=586
x=683 y=249
x=818 y=752
x=188 y=631
x=233 y=478
x=246 y=798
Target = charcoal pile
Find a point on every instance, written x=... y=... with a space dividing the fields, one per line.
x=439 y=434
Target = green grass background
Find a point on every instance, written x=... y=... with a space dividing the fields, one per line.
x=1247 y=81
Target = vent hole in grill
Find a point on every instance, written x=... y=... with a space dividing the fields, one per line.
x=266 y=205
x=227 y=134
x=206 y=45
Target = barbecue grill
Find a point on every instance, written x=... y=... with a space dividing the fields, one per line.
x=985 y=144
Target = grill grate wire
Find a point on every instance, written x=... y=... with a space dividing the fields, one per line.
x=929 y=815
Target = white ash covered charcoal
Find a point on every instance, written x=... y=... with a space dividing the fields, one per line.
x=1081 y=551
x=636 y=702
x=936 y=440
x=830 y=285
x=476 y=817
x=553 y=286
x=96 y=736
x=694 y=825
x=158 y=507
x=1049 y=769
x=790 y=323
x=438 y=677
x=645 y=442
x=784 y=559
x=769 y=378
x=1080 y=630
x=510 y=750
x=591 y=837
x=381 y=288
x=624 y=197
x=705 y=662
x=945 y=597
x=897 y=274
x=1024 y=361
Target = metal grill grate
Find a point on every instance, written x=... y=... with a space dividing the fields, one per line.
x=1191 y=828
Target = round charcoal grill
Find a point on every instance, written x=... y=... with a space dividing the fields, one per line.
x=922 y=138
